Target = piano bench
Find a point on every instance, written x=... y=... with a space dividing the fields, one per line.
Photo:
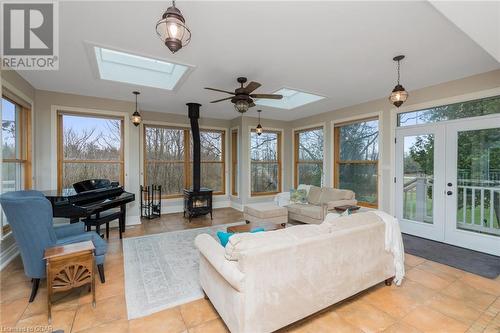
x=103 y=218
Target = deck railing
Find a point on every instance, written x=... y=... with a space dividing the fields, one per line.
x=478 y=202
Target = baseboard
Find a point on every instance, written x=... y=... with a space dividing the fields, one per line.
x=237 y=206
x=133 y=220
x=9 y=254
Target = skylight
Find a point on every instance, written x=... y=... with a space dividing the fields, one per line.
x=291 y=99
x=134 y=69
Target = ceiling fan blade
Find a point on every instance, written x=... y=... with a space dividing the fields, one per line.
x=251 y=105
x=219 y=90
x=220 y=100
x=251 y=87
x=267 y=96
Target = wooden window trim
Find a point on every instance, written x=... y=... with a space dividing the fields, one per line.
x=338 y=162
x=187 y=158
x=296 y=160
x=60 y=145
x=25 y=146
x=278 y=161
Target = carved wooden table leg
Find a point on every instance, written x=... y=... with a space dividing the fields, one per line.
x=69 y=266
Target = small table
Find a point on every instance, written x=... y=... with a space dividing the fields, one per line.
x=69 y=266
x=250 y=226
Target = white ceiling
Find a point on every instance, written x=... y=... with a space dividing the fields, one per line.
x=341 y=50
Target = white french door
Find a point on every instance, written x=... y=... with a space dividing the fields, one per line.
x=448 y=182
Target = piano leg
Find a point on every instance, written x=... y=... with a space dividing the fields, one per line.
x=121 y=224
x=100 y=269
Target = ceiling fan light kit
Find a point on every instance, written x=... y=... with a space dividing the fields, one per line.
x=136 y=116
x=172 y=29
x=399 y=95
x=242 y=97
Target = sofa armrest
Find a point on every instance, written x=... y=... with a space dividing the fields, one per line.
x=214 y=253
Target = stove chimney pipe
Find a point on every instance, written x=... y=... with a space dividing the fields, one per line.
x=194 y=115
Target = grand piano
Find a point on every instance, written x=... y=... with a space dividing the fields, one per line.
x=88 y=199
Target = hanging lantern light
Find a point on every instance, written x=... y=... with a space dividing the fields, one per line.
x=136 y=116
x=172 y=29
x=259 y=128
x=399 y=95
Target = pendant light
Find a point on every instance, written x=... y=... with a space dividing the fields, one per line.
x=399 y=95
x=172 y=29
x=259 y=128
x=136 y=116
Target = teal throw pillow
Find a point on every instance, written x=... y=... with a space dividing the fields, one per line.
x=224 y=236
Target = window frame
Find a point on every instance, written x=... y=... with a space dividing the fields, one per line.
x=186 y=161
x=234 y=162
x=279 y=134
x=297 y=161
x=25 y=148
x=60 y=144
x=338 y=162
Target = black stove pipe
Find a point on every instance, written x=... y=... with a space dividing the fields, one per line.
x=194 y=115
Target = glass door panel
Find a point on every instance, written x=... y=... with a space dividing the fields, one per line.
x=478 y=183
x=418 y=168
x=418 y=177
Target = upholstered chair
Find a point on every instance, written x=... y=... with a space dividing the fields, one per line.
x=29 y=215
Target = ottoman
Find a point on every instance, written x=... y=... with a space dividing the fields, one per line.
x=266 y=212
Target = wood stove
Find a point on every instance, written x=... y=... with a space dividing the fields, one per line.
x=197 y=203
x=197 y=200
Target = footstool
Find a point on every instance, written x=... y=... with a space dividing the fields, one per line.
x=265 y=212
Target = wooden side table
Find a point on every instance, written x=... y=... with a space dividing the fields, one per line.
x=69 y=266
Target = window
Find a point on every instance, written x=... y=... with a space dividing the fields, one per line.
x=89 y=146
x=234 y=162
x=475 y=108
x=356 y=159
x=265 y=168
x=16 y=150
x=308 y=168
x=169 y=164
x=212 y=160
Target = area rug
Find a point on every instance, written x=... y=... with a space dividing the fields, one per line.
x=161 y=270
x=467 y=260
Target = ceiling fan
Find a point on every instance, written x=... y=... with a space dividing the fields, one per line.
x=242 y=97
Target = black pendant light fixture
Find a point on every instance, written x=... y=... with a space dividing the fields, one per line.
x=259 y=128
x=136 y=116
x=172 y=29
x=399 y=95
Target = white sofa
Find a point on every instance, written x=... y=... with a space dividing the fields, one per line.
x=320 y=201
x=264 y=281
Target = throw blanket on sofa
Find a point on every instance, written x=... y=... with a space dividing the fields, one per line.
x=393 y=244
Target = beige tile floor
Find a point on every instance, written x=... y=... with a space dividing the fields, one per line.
x=433 y=298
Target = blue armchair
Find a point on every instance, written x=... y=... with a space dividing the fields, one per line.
x=30 y=217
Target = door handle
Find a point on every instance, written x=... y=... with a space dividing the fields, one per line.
x=449 y=193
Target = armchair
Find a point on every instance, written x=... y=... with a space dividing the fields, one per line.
x=30 y=216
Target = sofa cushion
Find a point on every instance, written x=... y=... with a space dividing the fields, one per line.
x=265 y=210
x=311 y=211
x=329 y=194
x=314 y=196
x=357 y=220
